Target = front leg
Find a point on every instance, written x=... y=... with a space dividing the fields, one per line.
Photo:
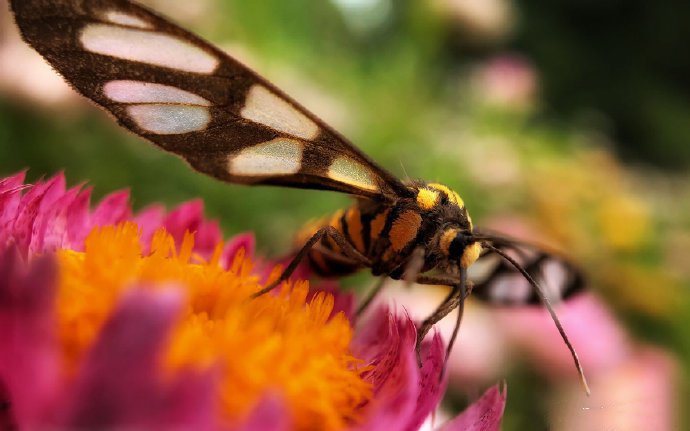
x=461 y=288
x=410 y=271
x=346 y=248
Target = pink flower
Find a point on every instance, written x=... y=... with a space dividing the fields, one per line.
x=133 y=373
x=637 y=394
x=600 y=341
x=117 y=385
x=46 y=216
x=507 y=81
x=632 y=384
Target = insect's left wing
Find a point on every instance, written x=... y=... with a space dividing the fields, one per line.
x=498 y=282
x=188 y=97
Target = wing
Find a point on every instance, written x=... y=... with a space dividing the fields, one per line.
x=188 y=97
x=497 y=281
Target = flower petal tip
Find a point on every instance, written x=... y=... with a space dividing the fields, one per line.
x=485 y=414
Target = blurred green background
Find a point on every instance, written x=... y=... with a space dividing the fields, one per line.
x=572 y=117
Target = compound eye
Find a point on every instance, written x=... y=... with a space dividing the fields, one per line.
x=458 y=245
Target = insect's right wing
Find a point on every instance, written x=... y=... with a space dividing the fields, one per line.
x=178 y=91
x=498 y=282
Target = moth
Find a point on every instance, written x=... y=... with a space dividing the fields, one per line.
x=188 y=97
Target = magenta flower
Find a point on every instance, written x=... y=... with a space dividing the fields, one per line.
x=105 y=323
x=49 y=217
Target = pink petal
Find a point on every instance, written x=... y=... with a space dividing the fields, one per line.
x=28 y=354
x=185 y=218
x=50 y=227
x=243 y=241
x=404 y=395
x=395 y=379
x=189 y=217
x=10 y=184
x=270 y=414
x=120 y=385
x=55 y=188
x=149 y=220
x=77 y=219
x=207 y=237
x=373 y=330
x=190 y=401
x=483 y=415
x=30 y=205
x=431 y=386
x=7 y=421
x=10 y=196
x=49 y=206
x=113 y=209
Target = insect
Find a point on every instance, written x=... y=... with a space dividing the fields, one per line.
x=186 y=96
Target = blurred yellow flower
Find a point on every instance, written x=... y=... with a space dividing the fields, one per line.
x=624 y=221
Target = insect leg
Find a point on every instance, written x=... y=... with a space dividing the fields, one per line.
x=440 y=280
x=347 y=249
x=461 y=309
x=410 y=275
x=371 y=295
x=461 y=288
x=449 y=303
x=413 y=266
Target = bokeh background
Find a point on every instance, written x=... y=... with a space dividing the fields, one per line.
x=565 y=122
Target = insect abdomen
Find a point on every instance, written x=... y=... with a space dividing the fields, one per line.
x=383 y=234
x=327 y=258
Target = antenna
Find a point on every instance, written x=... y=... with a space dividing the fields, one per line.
x=547 y=303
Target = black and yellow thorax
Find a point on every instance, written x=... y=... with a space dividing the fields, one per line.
x=433 y=218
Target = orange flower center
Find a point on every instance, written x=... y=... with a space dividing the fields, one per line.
x=276 y=343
